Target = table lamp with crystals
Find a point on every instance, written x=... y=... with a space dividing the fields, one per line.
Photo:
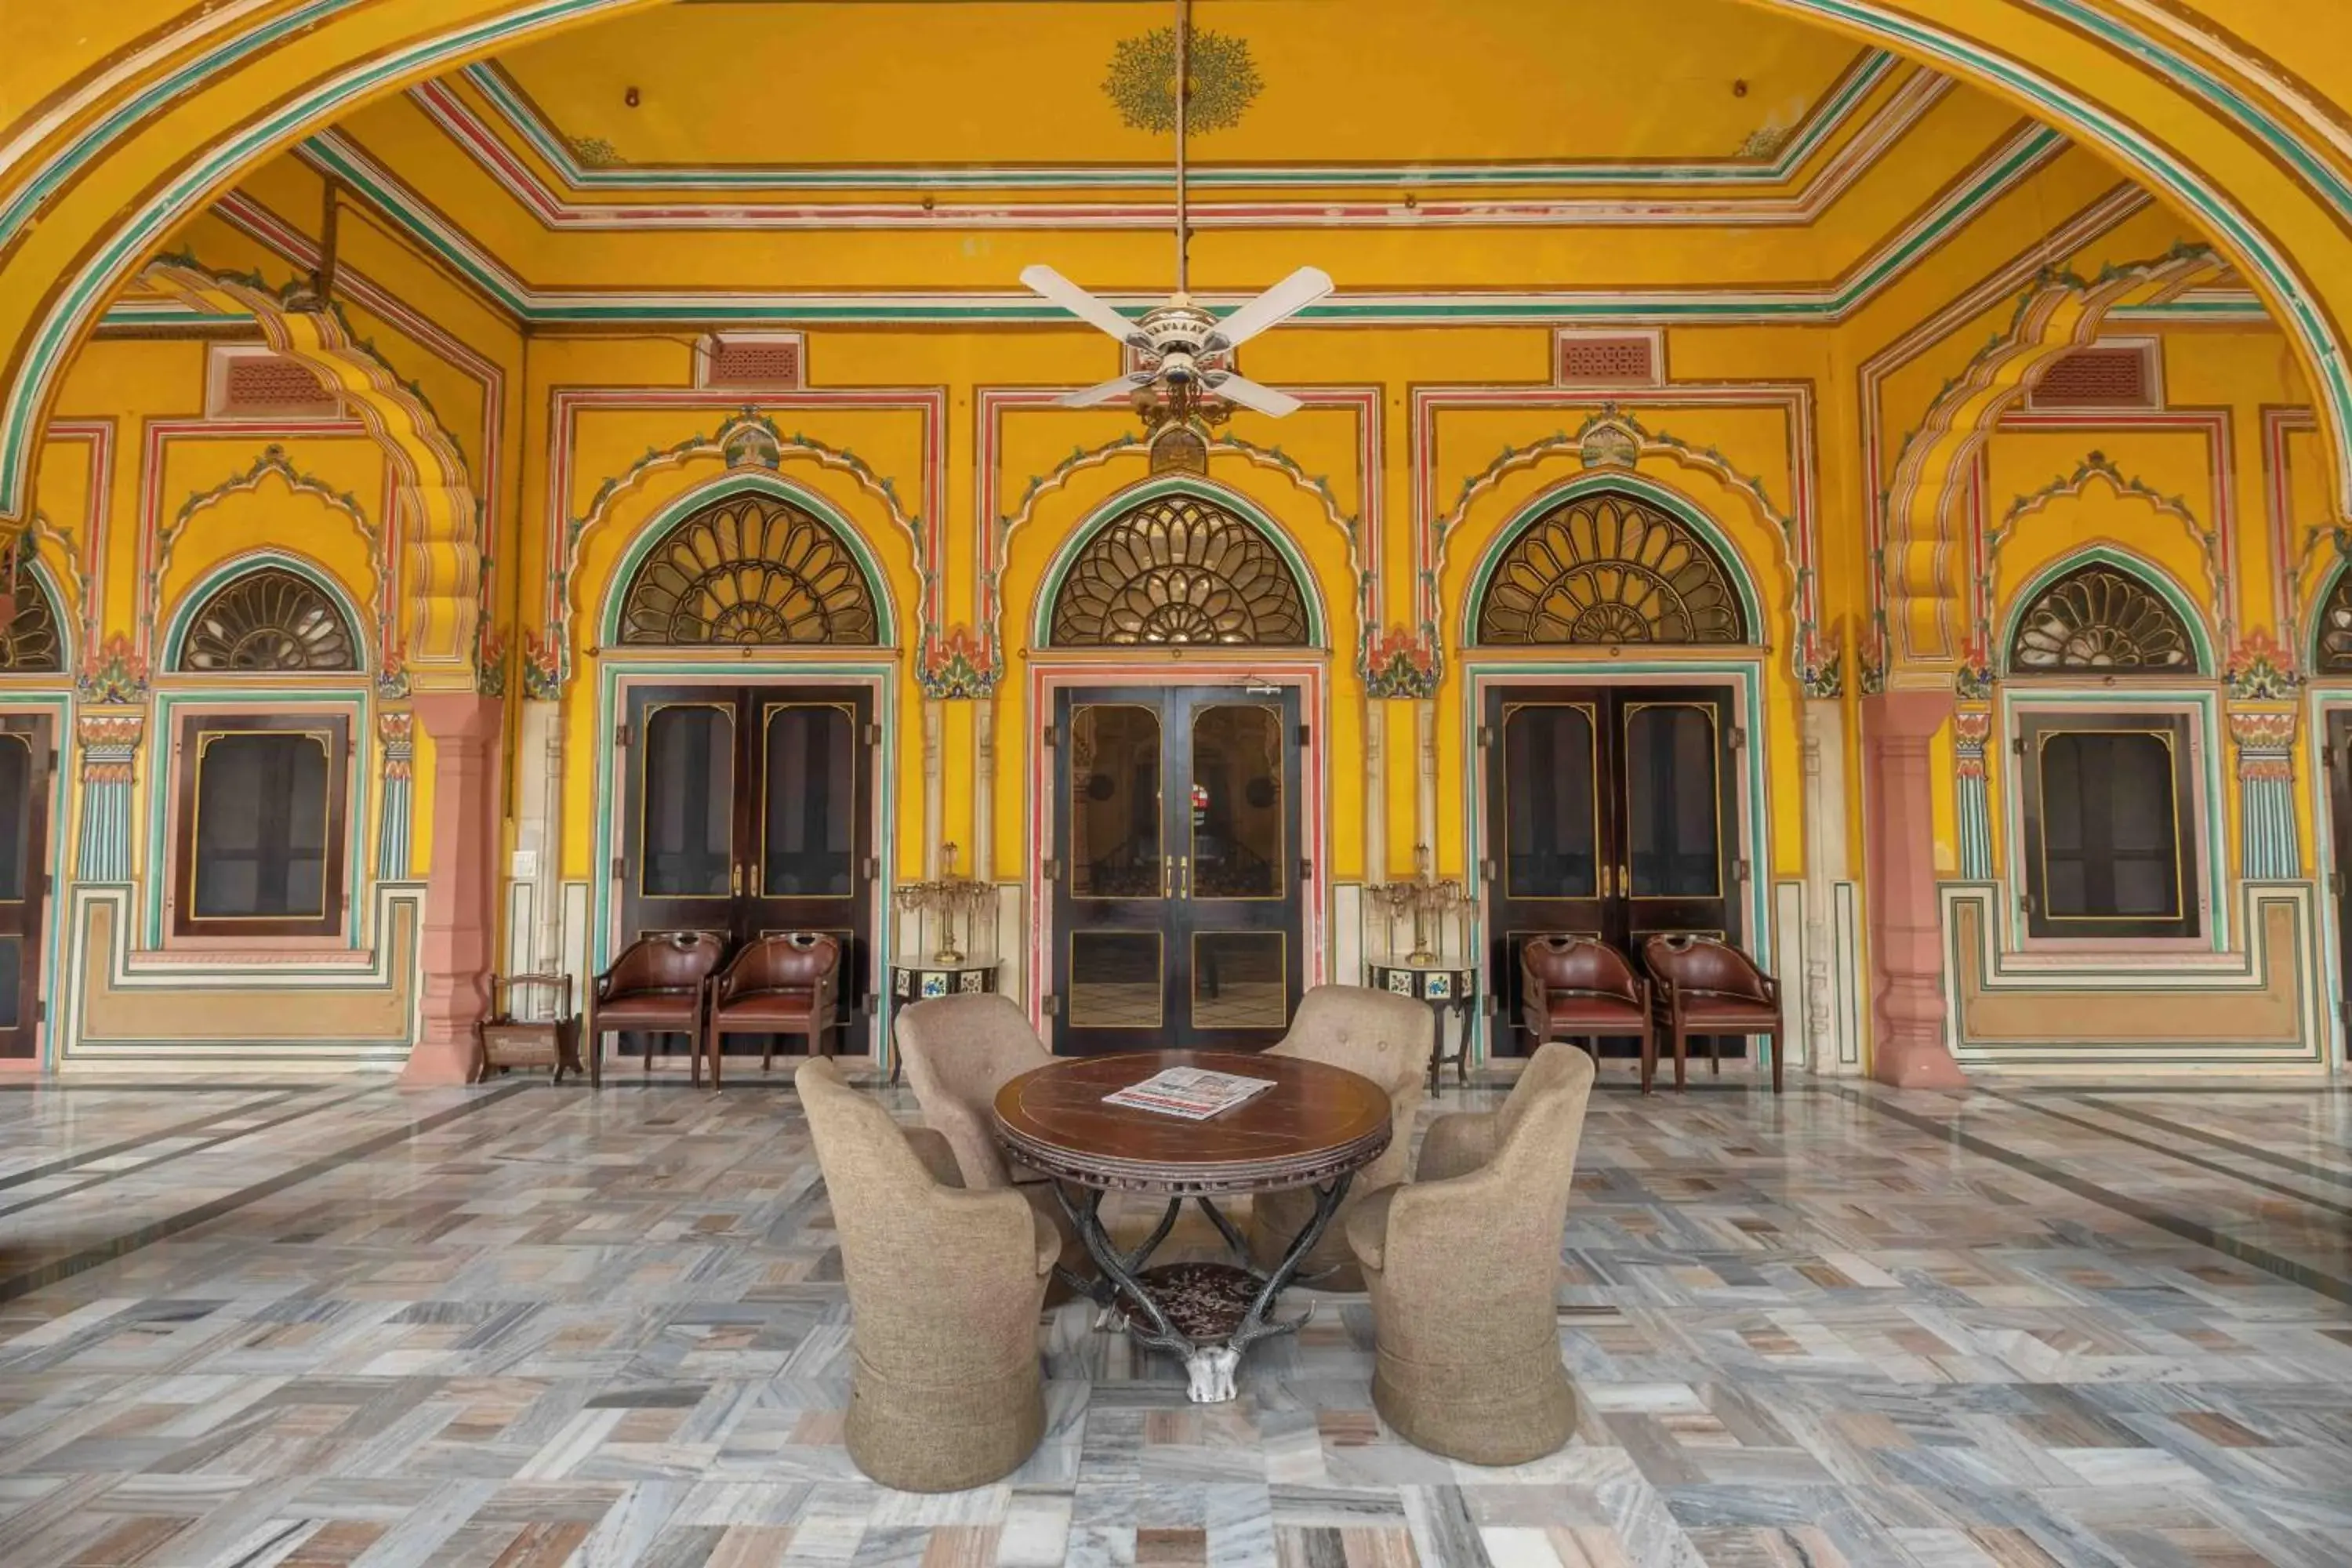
x=1429 y=899
x=947 y=898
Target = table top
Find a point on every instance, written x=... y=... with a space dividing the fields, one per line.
x=1316 y=1122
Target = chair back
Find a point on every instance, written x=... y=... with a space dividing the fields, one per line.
x=798 y=961
x=1693 y=963
x=665 y=962
x=959 y=1051
x=1578 y=964
x=1386 y=1038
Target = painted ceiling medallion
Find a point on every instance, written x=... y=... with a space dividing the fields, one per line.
x=1142 y=81
x=269 y=619
x=2100 y=618
x=1609 y=569
x=1179 y=570
x=750 y=571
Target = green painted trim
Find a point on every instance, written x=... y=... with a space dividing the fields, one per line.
x=2310 y=649
x=221 y=572
x=1688 y=512
x=2122 y=560
x=726 y=488
x=1310 y=591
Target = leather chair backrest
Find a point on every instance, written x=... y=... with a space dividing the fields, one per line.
x=1703 y=963
x=783 y=963
x=1578 y=964
x=667 y=961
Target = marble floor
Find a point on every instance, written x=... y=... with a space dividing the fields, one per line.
x=305 y=1325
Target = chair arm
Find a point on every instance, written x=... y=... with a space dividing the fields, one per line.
x=936 y=1153
x=1456 y=1144
x=1367 y=1226
x=1049 y=1242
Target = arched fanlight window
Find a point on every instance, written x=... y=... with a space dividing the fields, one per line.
x=2335 y=625
x=1609 y=568
x=2104 y=619
x=269 y=619
x=753 y=571
x=31 y=645
x=1179 y=569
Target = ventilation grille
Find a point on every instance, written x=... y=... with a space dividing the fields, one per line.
x=272 y=385
x=769 y=362
x=1631 y=359
x=2103 y=377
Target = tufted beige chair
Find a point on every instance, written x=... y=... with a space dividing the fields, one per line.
x=945 y=1289
x=958 y=1052
x=1388 y=1040
x=1463 y=1267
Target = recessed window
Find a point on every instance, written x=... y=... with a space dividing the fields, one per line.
x=2109 y=824
x=262 y=814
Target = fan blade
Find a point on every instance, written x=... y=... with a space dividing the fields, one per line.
x=1110 y=391
x=1079 y=303
x=1241 y=389
x=1276 y=305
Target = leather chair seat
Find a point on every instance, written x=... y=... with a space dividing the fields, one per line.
x=674 y=1009
x=1728 y=1014
x=1572 y=1014
x=789 y=1009
x=782 y=984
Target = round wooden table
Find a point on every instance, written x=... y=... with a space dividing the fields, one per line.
x=1318 y=1126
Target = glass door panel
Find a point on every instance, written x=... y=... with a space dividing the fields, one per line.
x=1671 y=808
x=24 y=772
x=1551 y=813
x=687 y=832
x=1236 y=809
x=808 y=826
x=1115 y=805
x=1119 y=980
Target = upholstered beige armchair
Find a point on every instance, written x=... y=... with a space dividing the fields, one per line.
x=945 y=1290
x=1463 y=1267
x=1388 y=1040
x=959 y=1051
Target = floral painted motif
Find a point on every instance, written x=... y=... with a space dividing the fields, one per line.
x=118 y=676
x=957 y=665
x=1402 y=662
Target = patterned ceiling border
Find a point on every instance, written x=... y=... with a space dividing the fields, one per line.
x=517 y=113
x=77 y=305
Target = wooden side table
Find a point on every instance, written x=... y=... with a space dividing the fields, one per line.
x=1447 y=988
x=920 y=981
x=508 y=1041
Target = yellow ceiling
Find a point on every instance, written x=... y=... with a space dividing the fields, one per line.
x=767 y=82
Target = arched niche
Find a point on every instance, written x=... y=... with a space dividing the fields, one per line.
x=1611 y=562
x=748 y=563
x=35 y=640
x=1179 y=564
x=2102 y=612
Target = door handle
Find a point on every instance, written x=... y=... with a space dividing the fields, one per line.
x=1185 y=878
x=1167 y=865
x=1624 y=883
x=735 y=880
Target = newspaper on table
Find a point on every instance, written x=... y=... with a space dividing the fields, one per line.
x=1195 y=1094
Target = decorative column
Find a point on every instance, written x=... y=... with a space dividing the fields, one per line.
x=1906 y=937
x=396 y=729
x=465 y=728
x=110 y=757
x=2268 y=849
x=1971 y=728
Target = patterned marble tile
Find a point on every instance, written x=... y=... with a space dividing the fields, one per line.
x=327 y=1325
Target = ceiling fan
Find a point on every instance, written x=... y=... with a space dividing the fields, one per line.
x=1185 y=352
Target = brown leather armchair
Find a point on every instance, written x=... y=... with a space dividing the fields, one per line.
x=1706 y=986
x=776 y=986
x=659 y=984
x=1579 y=988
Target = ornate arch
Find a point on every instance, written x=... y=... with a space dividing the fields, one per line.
x=265 y=618
x=2331 y=644
x=1180 y=567
x=34 y=642
x=1607 y=566
x=749 y=569
x=2102 y=613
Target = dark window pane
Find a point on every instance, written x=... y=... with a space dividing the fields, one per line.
x=1237 y=801
x=2110 y=848
x=1117 y=979
x=1240 y=979
x=262 y=817
x=1548 y=803
x=1114 y=802
x=690 y=801
x=811 y=803
x=12 y=981
x=1671 y=811
x=16 y=804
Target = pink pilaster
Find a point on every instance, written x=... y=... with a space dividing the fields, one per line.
x=1906 y=936
x=464 y=730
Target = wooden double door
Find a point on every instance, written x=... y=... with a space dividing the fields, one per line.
x=28 y=758
x=1176 y=867
x=1610 y=812
x=2338 y=760
x=748 y=811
